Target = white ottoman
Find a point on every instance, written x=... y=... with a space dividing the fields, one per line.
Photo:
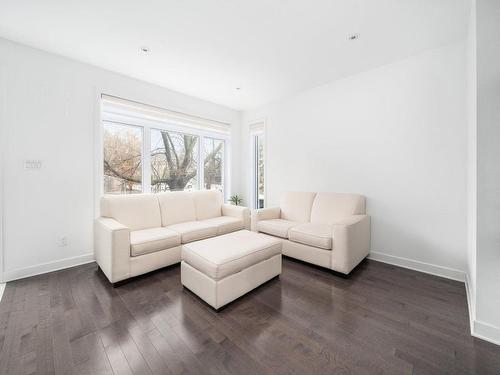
x=223 y=268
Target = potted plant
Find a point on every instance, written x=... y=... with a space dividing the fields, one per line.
x=236 y=200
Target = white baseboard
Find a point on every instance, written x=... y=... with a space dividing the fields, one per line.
x=2 y=288
x=449 y=273
x=487 y=332
x=48 y=267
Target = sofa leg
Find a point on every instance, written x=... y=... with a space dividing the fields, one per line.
x=119 y=283
x=340 y=274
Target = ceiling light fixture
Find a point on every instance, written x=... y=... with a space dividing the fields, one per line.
x=145 y=49
x=238 y=88
x=353 y=37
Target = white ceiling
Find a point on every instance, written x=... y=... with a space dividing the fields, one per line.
x=207 y=48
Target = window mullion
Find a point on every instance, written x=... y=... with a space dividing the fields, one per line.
x=201 y=169
x=146 y=160
x=224 y=167
x=256 y=173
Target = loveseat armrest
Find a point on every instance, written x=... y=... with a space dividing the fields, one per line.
x=351 y=238
x=112 y=248
x=238 y=212
x=264 y=214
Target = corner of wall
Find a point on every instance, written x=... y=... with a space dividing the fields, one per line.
x=471 y=301
x=479 y=329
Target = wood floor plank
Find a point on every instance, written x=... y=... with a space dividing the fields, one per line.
x=61 y=349
x=44 y=348
x=117 y=360
x=381 y=320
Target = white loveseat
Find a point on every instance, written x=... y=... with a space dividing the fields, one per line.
x=331 y=230
x=143 y=232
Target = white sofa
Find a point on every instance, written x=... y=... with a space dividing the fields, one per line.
x=143 y=232
x=330 y=230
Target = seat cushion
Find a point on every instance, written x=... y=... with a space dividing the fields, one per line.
x=154 y=239
x=194 y=230
x=317 y=235
x=226 y=255
x=226 y=224
x=276 y=227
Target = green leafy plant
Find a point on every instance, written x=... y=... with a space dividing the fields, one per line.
x=236 y=200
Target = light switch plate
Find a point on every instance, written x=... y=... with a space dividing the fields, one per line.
x=32 y=164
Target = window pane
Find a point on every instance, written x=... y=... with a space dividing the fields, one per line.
x=260 y=171
x=122 y=159
x=173 y=161
x=213 y=164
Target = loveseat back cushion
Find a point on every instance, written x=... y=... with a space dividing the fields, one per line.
x=328 y=208
x=176 y=207
x=136 y=211
x=296 y=206
x=208 y=204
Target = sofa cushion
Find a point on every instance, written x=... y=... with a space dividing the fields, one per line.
x=331 y=207
x=296 y=206
x=208 y=204
x=226 y=224
x=135 y=211
x=276 y=227
x=176 y=207
x=194 y=230
x=223 y=256
x=312 y=234
x=153 y=239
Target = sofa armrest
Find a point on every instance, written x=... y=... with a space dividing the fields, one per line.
x=112 y=248
x=264 y=214
x=351 y=238
x=239 y=212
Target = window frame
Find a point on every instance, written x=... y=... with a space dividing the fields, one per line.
x=256 y=130
x=147 y=125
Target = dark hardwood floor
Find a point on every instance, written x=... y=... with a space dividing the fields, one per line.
x=381 y=320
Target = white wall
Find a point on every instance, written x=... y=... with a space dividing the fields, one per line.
x=49 y=113
x=488 y=171
x=397 y=134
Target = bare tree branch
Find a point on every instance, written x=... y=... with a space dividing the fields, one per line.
x=166 y=143
x=119 y=174
x=212 y=155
